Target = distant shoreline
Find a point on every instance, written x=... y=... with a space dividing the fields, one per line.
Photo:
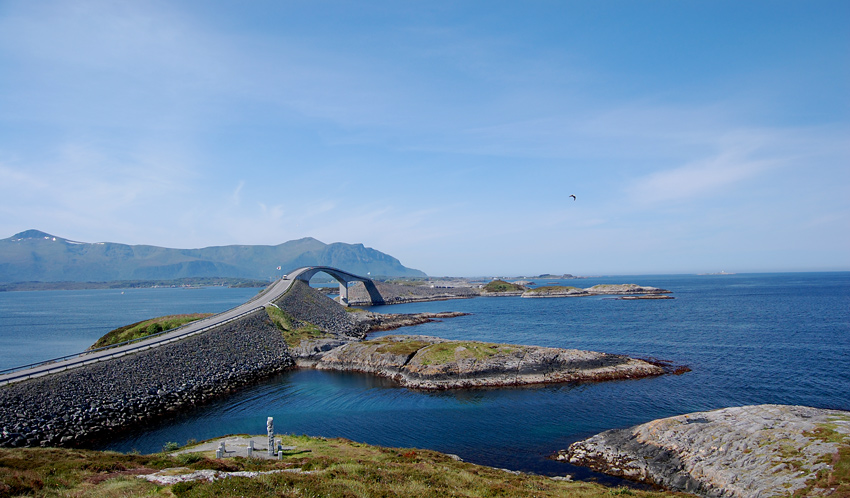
x=189 y=283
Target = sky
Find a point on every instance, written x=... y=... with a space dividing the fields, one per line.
x=697 y=136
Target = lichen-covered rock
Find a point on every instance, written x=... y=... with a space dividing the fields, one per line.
x=763 y=450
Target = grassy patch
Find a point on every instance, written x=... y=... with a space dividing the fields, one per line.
x=404 y=347
x=612 y=287
x=146 y=327
x=342 y=468
x=502 y=286
x=339 y=468
x=836 y=478
x=447 y=352
x=553 y=288
x=51 y=472
x=294 y=331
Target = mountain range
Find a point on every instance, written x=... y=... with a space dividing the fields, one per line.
x=34 y=255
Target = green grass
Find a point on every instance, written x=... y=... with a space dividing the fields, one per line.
x=502 y=286
x=837 y=477
x=604 y=287
x=404 y=347
x=293 y=331
x=146 y=327
x=447 y=352
x=340 y=468
x=553 y=288
x=439 y=353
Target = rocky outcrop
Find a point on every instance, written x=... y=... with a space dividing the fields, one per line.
x=555 y=291
x=764 y=450
x=379 y=322
x=396 y=294
x=620 y=289
x=507 y=293
x=424 y=362
x=89 y=402
x=631 y=291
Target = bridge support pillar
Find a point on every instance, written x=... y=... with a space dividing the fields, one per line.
x=343 y=293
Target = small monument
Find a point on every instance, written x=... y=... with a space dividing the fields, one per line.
x=270 y=431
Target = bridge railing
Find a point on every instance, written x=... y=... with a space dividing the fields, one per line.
x=90 y=352
x=131 y=341
x=85 y=357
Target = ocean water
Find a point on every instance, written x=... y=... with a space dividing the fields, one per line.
x=749 y=339
x=41 y=325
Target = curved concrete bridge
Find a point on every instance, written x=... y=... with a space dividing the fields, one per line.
x=343 y=277
x=258 y=302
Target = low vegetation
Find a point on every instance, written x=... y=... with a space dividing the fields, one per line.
x=836 y=478
x=612 y=287
x=447 y=352
x=145 y=328
x=294 y=331
x=328 y=468
x=502 y=286
x=554 y=288
x=402 y=347
x=439 y=353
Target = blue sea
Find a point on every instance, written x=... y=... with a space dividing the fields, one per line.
x=748 y=338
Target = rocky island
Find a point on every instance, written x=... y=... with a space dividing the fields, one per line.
x=393 y=293
x=424 y=362
x=763 y=450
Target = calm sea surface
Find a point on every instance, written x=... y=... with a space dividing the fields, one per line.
x=750 y=339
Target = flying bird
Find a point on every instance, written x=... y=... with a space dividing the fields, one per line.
x=574 y=197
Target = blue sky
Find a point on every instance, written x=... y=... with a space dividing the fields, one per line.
x=697 y=136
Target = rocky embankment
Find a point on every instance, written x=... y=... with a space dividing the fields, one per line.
x=424 y=362
x=86 y=403
x=764 y=450
x=396 y=294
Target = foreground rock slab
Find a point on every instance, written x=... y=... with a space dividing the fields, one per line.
x=748 y=451
x=425 y=362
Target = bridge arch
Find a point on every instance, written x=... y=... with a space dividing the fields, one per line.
x=341 y=276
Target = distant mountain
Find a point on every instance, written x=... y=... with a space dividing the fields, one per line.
x=37 y=256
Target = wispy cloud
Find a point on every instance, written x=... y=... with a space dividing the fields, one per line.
x=696 y=180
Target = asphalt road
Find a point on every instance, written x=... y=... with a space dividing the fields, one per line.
x=259 y=301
